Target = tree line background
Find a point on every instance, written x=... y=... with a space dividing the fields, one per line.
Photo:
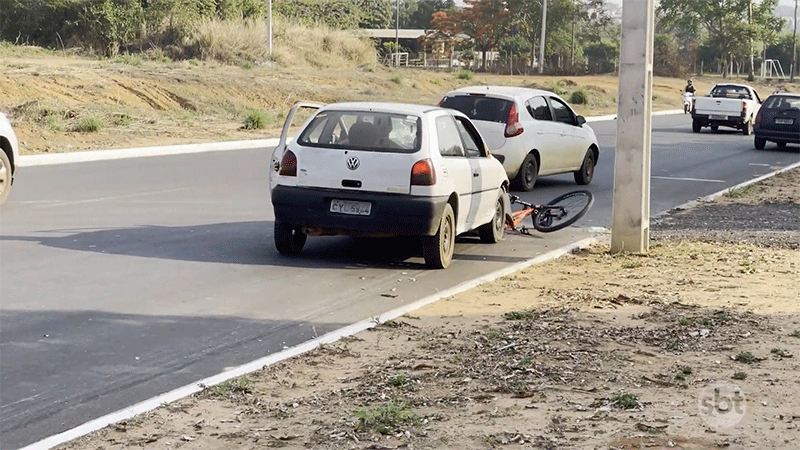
x=722 y=36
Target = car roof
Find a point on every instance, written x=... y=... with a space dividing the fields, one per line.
x=388 y=107
x=785 y=94
x=732 y=84
x=509 y=91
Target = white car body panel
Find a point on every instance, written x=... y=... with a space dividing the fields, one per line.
x=476 y=181
x=561 y=147
x=11 y=147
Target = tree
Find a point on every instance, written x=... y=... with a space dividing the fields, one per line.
x=731 y=25
x=418 y=13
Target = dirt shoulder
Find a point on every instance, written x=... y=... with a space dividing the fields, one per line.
x=60 y=102
x=694 y=345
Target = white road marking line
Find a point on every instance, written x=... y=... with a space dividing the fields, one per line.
x=757 y=164
x=689 y=179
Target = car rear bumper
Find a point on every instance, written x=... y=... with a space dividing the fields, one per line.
x=390 y=214
x=778 y=136
x=729 y=121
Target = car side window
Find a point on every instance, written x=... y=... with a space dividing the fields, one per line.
x=537 y=107
x=449 y=138
x=562 y=112
x=472 y=147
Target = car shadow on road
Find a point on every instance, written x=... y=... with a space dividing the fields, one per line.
x=242 y=243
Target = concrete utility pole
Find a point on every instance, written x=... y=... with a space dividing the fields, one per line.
x=397 y=34
x=269 y=27
x=541 y=41
x=794 y=46
x=630 y=230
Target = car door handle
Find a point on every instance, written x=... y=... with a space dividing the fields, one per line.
x=476 y=174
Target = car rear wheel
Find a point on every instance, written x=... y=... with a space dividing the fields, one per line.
x=528 y=173
x=438 y=249
x=747 y=128
x=5 y=176
x=584 y=175
x=696 y=126
x=492 y=232
x=759 y=143
x=289 y=240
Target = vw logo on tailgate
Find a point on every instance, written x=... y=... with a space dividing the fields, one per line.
x=353 y=163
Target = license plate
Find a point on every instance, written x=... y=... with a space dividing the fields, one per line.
x=351 y=207
x=717 y=117
x=784 y=121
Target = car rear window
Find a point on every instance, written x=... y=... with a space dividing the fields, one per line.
x=725 y=91
x=363 y=130
x=782 y=102
x=479 y=107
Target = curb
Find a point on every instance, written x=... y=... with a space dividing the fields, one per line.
x=185 y=391
x=105 y=155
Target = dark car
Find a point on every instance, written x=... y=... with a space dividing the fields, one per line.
x=778 y=120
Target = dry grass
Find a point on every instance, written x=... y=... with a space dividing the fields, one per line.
x=232 y=41
x=297 y=45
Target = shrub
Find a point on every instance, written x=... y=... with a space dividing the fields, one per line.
x=579 y=97
x=89 y=125
x=255 y=120
x=465 y=74
x=231 y=41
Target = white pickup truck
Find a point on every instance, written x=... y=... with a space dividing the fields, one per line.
x=729 y=105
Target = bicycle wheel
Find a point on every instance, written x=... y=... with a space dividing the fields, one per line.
x=563 y=211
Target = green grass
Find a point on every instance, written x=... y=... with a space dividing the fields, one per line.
x=520 y=315
x=781 y=352
x=745 y=357
x=241 y=385
x=397 y=79
x=795 y=334
x=387 y=419
x=132 y=60
x=493 y=334
x=398 y=380
x=89 y=125
x=255 y=120
x=739 y=375
x=626 y=400
x=465 y=75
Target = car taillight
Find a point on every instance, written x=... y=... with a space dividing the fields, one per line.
x=513 y=127
x=288 y=164
x=422 y=173
x=758 y=116
x=694 y=101
x=744 y=109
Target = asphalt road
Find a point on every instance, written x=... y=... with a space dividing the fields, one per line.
x=121 y=280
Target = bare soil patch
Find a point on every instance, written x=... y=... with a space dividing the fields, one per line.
x=142 y=103
x=694 y=345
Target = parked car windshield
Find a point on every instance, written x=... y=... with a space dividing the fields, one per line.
x=479 y=107
x=782 y=102
x=363 y=130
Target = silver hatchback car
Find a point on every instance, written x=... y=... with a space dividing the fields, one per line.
x=532 y=132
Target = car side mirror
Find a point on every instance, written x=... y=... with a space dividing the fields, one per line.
x=580 y=120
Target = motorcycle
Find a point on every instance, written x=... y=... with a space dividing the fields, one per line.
x=688 y=97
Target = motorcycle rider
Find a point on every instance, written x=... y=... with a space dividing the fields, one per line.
x=689 y=86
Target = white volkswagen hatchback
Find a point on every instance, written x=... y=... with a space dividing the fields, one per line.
x=386 y=169
x=533 y=132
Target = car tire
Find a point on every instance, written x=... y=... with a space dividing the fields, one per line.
x=714 y=128
x=781 y=144
x=289 y=240
x=5 y=176
x=528 y=173
x=747 y=128
x=584 y=175
x=492 y=232
x=696 y=126
x=438 y=249
x=759 y=143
